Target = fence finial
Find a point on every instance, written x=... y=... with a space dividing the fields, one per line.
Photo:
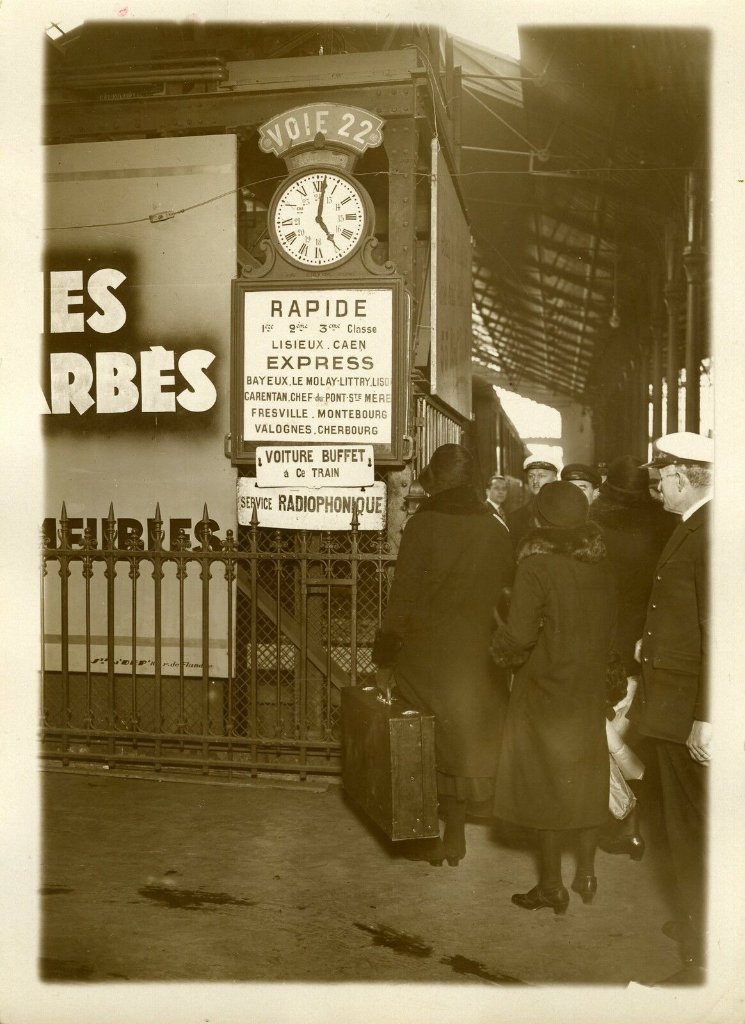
x=64 y=528
x=203 y=530
x=158 y=535
x=109 y=529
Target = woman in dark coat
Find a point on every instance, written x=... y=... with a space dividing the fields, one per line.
x=553 y=769
x=454 y=560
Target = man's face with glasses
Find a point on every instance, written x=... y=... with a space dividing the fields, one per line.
x=670 y=487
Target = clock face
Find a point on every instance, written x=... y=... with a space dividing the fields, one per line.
x=319 y=219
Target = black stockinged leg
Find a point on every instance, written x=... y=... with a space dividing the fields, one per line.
x=550 y=892
x=454 y=838
x=585 y=883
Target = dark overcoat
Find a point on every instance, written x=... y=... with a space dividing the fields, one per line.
x=553 y=769
x=521 y=521
x=634 y=536
x=454 y=560
x=673 y=692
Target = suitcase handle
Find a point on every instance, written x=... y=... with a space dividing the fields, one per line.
x=387 y=699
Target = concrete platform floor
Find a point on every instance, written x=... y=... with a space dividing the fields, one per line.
x=173 y=880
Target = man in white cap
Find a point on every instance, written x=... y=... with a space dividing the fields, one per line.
x=538 y=472
x=671 y=704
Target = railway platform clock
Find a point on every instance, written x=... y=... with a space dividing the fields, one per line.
x=321 y=326
x=319 y=218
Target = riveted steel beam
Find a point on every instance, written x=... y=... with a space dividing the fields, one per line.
x=208 y=113
x=400 y=138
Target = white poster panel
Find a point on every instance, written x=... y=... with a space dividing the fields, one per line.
x=315 y=465
x=178 y=655
x=318 y=365
x=140 y=250
x=301 y=508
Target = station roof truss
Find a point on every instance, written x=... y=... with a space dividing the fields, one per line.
x=573 y=160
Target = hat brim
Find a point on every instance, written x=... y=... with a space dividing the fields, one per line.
x=673 y=460
x=575 y=478
x=658 y=461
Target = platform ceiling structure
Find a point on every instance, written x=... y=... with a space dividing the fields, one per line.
x=574 y=163
x=569 y=233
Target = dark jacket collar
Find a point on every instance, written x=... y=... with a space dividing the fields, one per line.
x=457 y=501
x=583 y=543
x=699 y=520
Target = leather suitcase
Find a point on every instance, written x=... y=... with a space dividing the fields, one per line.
x=388 y=763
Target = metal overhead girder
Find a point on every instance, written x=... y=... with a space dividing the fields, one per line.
x=209 y=113
x=529 y=330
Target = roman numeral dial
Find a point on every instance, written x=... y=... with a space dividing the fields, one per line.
x=318 y=218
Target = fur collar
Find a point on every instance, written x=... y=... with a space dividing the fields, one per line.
x=584 y=543
x=458 y=501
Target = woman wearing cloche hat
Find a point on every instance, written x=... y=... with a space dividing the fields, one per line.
x=553 y=767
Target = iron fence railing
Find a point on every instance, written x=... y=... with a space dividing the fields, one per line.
x=228 y=656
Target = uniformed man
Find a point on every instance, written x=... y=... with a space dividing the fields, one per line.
x=538 y=472
x=585 y=477
x=496 y=495
x=671 y=704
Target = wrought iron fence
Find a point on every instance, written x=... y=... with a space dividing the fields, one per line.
x=228 y=656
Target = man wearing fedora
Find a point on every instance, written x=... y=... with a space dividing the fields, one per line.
x=671 y=703
x=538 y=472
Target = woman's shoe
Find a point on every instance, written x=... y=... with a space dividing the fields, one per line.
x=537 y=898
x=454 y=843
x=631 y=846
x=586 y=886
x=453 y=853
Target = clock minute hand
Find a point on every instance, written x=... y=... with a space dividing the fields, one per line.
x=319 y=211
x=319 y=214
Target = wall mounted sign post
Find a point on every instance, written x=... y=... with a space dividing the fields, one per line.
x=320 y=337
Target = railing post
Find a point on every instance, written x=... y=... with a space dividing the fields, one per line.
x=354 y=566
x=181 y=547
x=156 y=544
x=89 y=545
x=203 y=532
x=63 y=554
x=109 y=554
